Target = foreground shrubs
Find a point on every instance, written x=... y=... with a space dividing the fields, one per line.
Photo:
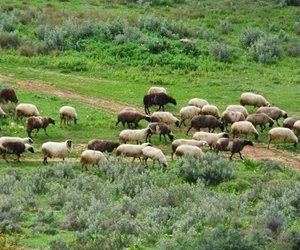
x=250 y=36
x=221 y=52
x=212 y=169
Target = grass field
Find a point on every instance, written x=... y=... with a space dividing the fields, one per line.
x=100 y=56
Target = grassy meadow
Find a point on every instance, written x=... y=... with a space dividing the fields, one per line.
x=114 y=51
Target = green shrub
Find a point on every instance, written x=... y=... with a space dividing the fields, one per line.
x=206 y=34
x=156 y=46
x=225 y=26
x=250 y=36
x=266 y=50
x=212 y=169
x=282 y=36
x=221 y=52
x=297 y=28
x=289 y=2
x=57 y=243
x=30 y=49
x=7 y=20
x=9 y=39
x=290 y=240
x=294 y=50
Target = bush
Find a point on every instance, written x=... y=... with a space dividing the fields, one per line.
x=156 y=46
x=7 y=20
x=221 y=52
x=225 y=26
x=290 y=240
x=212 y=169
x=206 y=34
x=282 y=36
x=297 y=28
x=294 y=50
x=9 y=39
x=58 y=244
x=289 y=2
x=266 y=50
x=250 y=36
x=30 y=49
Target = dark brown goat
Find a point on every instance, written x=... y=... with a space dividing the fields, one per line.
x=205 y=121
x=160 y=129
x=131 y=116
x=37 y=122
x=14 y=147
x=8 y=94
x=102 y=146
x=159 y=99
x=234 y=146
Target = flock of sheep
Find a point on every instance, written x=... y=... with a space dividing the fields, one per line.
x=201 y=114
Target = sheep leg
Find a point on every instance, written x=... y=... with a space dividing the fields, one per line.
x=45 y=131
x=133 y=159
x=172 y=158
x=277 y=123
x=153 y=163
x=36 y=132
x=145 y=159
x=269 y=143
x=135 y=125
x=29 y=133
x=4 y=157
x=18 y=159
x=231 y=156
x=241 y=155
x=165 y=137
x=187 y=132
x=117 y=123
x=140 y=160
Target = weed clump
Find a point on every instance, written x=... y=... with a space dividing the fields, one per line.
x=221 y=52
x=250 y=36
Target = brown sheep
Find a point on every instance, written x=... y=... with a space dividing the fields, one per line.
x=289 y=122
x=260 y=119
x=102 y=146
x=274 y=112
x=37 y=122
x=131 y=116
x=161 y=129
x=205 y=121
x=8 y=94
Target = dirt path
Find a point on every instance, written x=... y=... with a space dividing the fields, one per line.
x=40 y=87
x=259 y=152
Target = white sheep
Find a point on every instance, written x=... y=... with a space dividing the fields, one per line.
x=14 y=139
x=179 y=142
x=165 y=117
x=210 y=110
x=248 y=98
x=26 y=109
x=2 y=113
x=210 y=138
x=188 y=112
x=189 y=150
x=296 y=127
x=283 y=134
x=67 y=114
x=137 y=135
x=230 y=117
x=156 y=90
x=243 y=127
x=131 y=150
x=238 y=108
x=92 y=157
x=56 y=149
x=154 y=154
x=197 y=102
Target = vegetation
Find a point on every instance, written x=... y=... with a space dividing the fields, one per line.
x=98 y=50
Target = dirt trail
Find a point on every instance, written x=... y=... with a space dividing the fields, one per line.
x=258 y=152
x=40 y=87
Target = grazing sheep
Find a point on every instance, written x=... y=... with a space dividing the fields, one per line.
x=102 y=146
x=37 y=122
x=159 y=129
x=156 y=90
x=273 y=112
x=26 y=109
x=232 y=145
x=154 y=154
x=296 y=127
x=14 y=147
x=289 y=122
x=157 y=99
x=8 y=94
x=243 y=127
x=179 y=142
x=67 y=114
x=230 y=117
x=131 y=116
x=15 y=139
x=197 y=102
x=137 y=135
x=210 y=110
x=210 y=138
x=164 y=117
x=188 y=112
x=252 y=99
x=188 y=150
x=56 y=149
x=260 y=119
x=205 y=121
x=91 y=157
x=2 y=113
x=283 y=134
x=237 y=108
x=131 y=150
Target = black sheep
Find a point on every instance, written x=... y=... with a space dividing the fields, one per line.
x=234 y=146
x=8 y=94
x=131 y=116
x=159 y=99
x=161 y=129
x=14 y=147
x=102 y=146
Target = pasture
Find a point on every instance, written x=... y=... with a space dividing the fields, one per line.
x=102 y=56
